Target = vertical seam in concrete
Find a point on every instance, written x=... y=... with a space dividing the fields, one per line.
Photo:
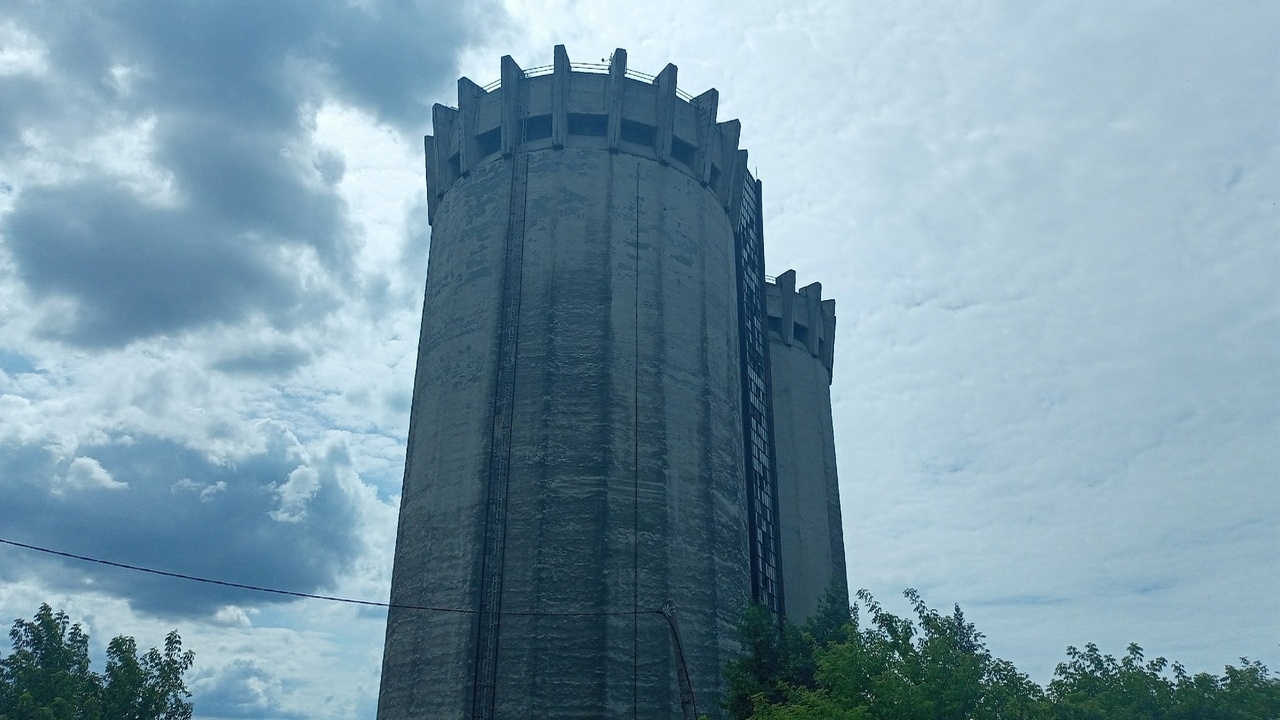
x=705 y=464
x=635 y=440
x=548 y=288
x=489 y=618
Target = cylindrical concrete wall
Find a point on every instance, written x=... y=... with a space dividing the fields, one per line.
x=801 y=343
x=575 y=448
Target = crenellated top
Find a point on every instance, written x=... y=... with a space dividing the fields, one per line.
x=593 y=106
x=802 y=317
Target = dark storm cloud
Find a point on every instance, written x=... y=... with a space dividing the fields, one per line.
x=168 y=507
x=275 y=361
x=226 y=94
x=137 y=270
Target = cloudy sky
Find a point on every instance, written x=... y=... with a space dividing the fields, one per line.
x=1051 y=230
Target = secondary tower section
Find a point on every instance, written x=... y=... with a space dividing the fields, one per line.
x=575 y=461
x=802 y=333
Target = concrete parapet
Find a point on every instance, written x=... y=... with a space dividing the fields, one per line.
x=585 y=105
x=802 y=317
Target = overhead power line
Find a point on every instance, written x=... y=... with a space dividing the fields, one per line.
x=667 y=613
x=310 y=596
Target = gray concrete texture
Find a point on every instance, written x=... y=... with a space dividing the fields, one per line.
x=623 y=487
x=801 y=343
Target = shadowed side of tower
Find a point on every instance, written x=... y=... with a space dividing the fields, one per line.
x=575 y=458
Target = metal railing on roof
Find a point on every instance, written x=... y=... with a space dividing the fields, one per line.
x=594 y=68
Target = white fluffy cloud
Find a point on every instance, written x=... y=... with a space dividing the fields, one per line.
x=85 y=473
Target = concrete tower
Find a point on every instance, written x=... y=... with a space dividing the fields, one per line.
x=590 y=496
x=802 y=329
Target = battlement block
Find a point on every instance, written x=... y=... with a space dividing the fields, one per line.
x=801 y=317
x=590 y=105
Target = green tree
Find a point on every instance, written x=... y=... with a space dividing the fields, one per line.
x=936 y=666
x=894 y=668
x=780 y=656
x=47 y=676
x=146 y=688
x=888 y=668
x=766 y=666
x=1091 y=685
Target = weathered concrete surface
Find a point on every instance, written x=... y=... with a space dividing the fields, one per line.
x=440 y=532
x=801 y=340
x=625 y=487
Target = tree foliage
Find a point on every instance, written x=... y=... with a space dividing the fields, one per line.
x=47 y=676
x=1092 y=685
x=865 y=663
